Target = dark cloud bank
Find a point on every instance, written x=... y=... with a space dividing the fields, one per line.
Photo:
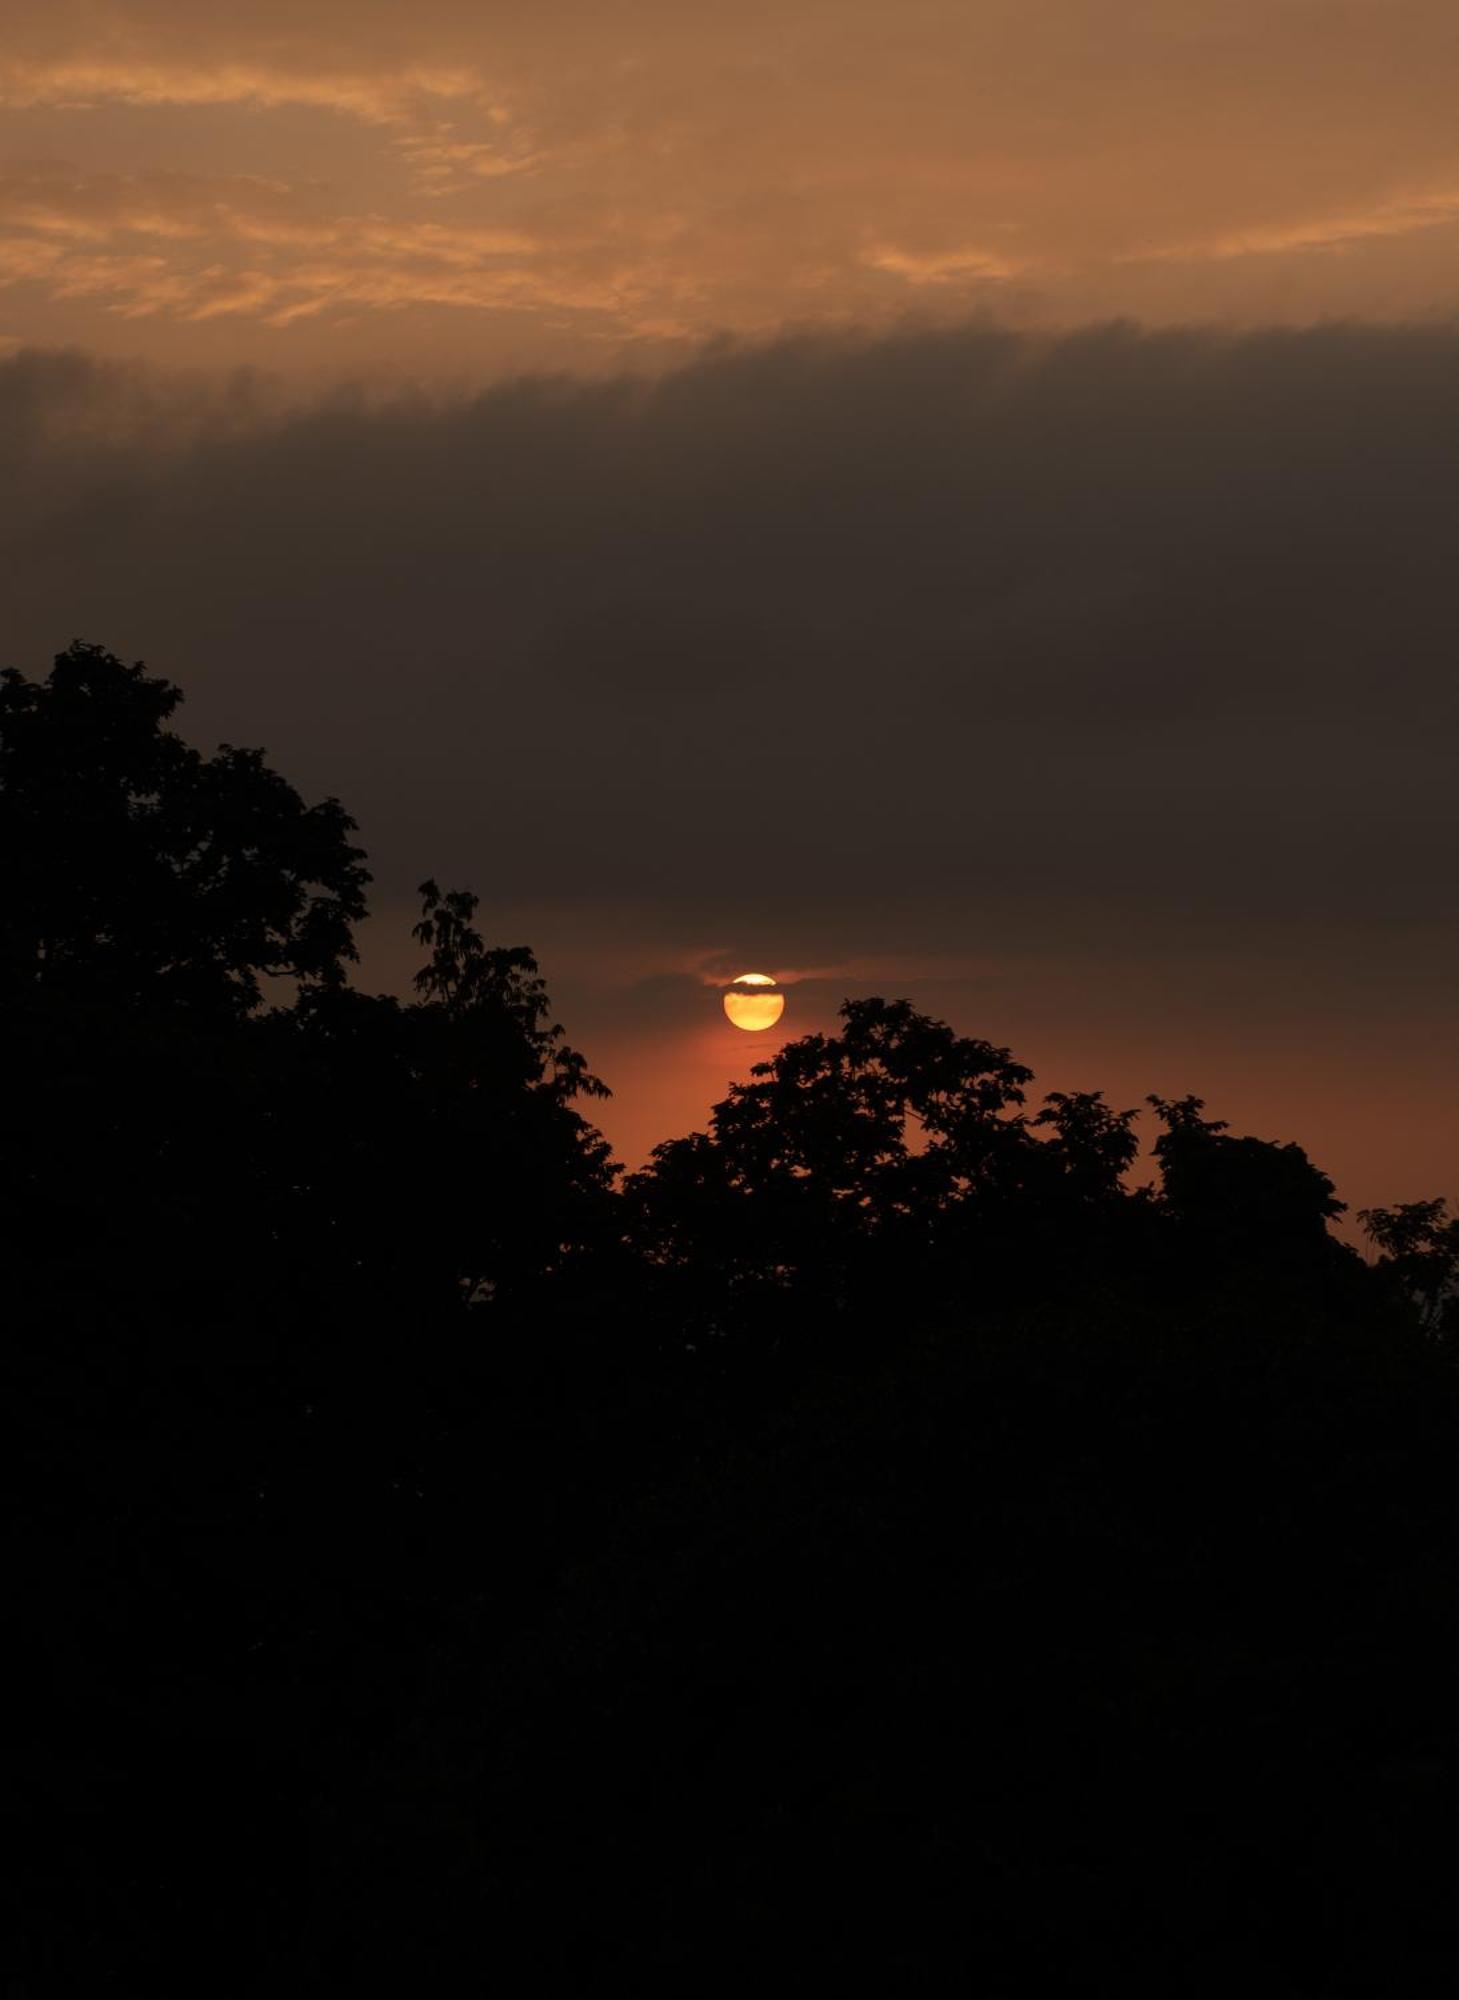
x=1122 y=652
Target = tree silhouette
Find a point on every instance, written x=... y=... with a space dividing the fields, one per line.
x=1247 y=1197
x=1094 y=1147
x=138 y=871
x=492 y=991
x=841 y=1143
x=852 y=1160
x=519 y=1179
x=1419 y=1241
x=430 y=1558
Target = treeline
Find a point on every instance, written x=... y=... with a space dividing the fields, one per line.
x=876 y=1537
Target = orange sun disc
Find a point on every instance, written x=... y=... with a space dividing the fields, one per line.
x=754 y=1002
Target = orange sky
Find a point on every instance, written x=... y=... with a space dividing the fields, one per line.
x=1363 y=1072
x=447 y=187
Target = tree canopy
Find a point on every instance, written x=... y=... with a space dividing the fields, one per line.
x=139 y=871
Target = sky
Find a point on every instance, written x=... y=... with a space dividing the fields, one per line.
x=955 y=501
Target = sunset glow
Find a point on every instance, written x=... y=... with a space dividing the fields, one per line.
x=543 y=1464
x=911 y=488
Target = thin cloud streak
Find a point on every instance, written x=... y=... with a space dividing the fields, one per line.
x=1402 y=216
x=59 y=223
x=376 y=98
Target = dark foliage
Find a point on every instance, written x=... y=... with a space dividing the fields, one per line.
x=876 y=1543
x=140 y=873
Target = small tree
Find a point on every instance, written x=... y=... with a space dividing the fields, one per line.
x=1419 y=1242
x=519 y=1178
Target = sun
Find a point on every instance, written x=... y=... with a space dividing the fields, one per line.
x=754 y=1002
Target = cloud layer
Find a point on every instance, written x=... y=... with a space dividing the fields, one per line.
x=451 y=186
x=1105 y=680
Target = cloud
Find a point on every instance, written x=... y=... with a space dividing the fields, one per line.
x=1021 y=627
x=1397 y=216
x=941 y=267
x=197 y=246
x=683 y=172
x=1097 y=690
x=379 y=97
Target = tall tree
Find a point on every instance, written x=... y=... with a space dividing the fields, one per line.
x=139 y=871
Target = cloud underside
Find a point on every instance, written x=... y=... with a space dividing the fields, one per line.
x=997 y=632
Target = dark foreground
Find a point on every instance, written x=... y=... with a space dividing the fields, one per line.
x=879 y=1543
x=1025 y=1652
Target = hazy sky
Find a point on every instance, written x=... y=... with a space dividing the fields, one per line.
x=853 y=600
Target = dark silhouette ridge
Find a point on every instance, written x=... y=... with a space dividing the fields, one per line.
x=875 y=1541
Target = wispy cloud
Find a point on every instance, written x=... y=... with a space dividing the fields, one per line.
x=438 y=162
x=206 y=247
x=941 y=267
x=408 y=104
x=1401 y=215
x=379 y=97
